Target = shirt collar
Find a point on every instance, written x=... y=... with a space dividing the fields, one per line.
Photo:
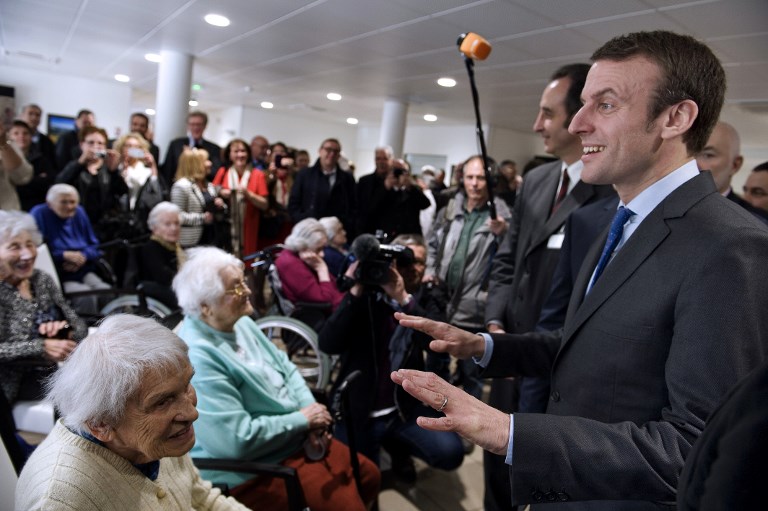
x=574 y=172
x=648 y=199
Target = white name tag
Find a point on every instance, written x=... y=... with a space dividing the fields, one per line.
x=556 y=241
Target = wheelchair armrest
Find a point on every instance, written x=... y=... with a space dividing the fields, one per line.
x=296 y=500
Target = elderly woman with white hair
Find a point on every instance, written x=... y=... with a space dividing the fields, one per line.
x=127 y=406
x=161 y=257
x=72 y=242
x=303 y=272
x=254 y=404
x=38 y=327
x=336 y=249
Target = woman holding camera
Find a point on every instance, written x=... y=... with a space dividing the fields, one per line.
x=246 y=190
x=97 y=179
x=37 y=324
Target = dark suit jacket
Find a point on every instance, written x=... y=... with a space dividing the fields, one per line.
x=67 y=148
x=675 y=320
x=522 y=269
x=312 y=197
x=727 y=466
x=176 y=147
x=759 y=213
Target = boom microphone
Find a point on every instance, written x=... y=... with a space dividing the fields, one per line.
x=474 y=46
x=365 y=246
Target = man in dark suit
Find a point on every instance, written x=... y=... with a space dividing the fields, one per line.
x=667 y=312
x=196 y=123
x=372 y=192
x=68 y=143
x=522 y=269
x=140 y=124
x=41 y=144
x=325 y=190
x=722 y=157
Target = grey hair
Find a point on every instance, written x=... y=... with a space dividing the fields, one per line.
x=198 y=282
x=332 y=226
x=107 y=369
x=13 y=223
x=410 y=239
x=306 y=235
x=159 y=209
x=387 y=150
x=61 y=189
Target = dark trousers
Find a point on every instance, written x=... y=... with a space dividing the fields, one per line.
x=498 y=492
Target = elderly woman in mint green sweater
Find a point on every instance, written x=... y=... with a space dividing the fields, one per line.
x=253 y=403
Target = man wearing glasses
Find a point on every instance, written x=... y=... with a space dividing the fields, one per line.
x=324 y=189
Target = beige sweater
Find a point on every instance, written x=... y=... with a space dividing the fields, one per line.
x=68 y=472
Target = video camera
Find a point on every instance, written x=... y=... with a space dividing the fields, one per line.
x=376 y=258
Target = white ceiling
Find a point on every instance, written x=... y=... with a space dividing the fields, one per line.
x=292 y=52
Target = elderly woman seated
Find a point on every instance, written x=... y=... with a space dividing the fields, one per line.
x=72 y=243
x=161 y=257
x=254 y=404
x=336 y=249
x=38 y=326
x=127 y=408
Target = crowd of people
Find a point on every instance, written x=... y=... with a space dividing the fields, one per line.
x=614 y=294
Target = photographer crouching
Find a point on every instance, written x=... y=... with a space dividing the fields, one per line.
x=364 y=332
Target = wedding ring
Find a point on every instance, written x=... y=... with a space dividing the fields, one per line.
x=442 y=406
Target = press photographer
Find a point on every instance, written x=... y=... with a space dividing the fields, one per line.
x=363 y=331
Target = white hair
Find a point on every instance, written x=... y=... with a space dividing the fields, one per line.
x=309 y=234
x=108 y=367
x=387 y=150
x=13 y=223
x=198 y=282
x=160 y=209
x=332 y=226
x=61 y=189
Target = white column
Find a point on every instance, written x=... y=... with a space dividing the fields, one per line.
x=174 y=81
x=393 y=125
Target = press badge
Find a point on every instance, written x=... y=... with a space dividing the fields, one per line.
x=556 y=241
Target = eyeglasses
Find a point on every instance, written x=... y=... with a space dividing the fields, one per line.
x=241 y=289
x=331 y=149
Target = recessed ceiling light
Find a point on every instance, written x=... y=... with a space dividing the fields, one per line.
x=150 y=111
x=193 y=102
x=266 y=104
x=217 y=20
x=446 y=82
x=430 y=117
x=333 y=96
x=153 y=57
x=123 y=78
x=352 y=120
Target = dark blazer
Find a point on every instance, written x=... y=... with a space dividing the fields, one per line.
x=312 y=197
x=675 y=320
x=522 y=269
x=67 y=148
x=759 y=213
x=727 y=466
x=371 y=201
x=176 y=147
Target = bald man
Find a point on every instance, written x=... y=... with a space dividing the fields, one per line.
x=722 y=157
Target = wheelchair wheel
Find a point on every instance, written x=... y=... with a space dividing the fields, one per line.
x=129 y=304
x=299 y=341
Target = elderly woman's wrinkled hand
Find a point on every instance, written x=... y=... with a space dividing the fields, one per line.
x=447 y=339
x=58 y=349
x=465 y=415
x=318 y=416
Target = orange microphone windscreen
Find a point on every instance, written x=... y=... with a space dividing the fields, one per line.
x=475 y=46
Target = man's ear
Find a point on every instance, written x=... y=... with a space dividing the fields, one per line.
x=101 y=431
x=737 y=163
x=679 y=119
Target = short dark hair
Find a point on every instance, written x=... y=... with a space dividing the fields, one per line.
x=198 y=113
x=140 y=114
x=577 y=73
x=761 y=167
x=334 y=140
x=689 y=70
x=18 y=123
x=83 y=113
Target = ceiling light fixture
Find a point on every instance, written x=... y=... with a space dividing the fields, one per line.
x=193 y=102
x=217 y=20
x=150 y=111
x=333 y=96
x=430 y=117
x=446 y=82
x=352 y=121
x=267 y=105
x=153 y=57
x=122 y=78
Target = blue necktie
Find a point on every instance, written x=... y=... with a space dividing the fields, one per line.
x=614 y=235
